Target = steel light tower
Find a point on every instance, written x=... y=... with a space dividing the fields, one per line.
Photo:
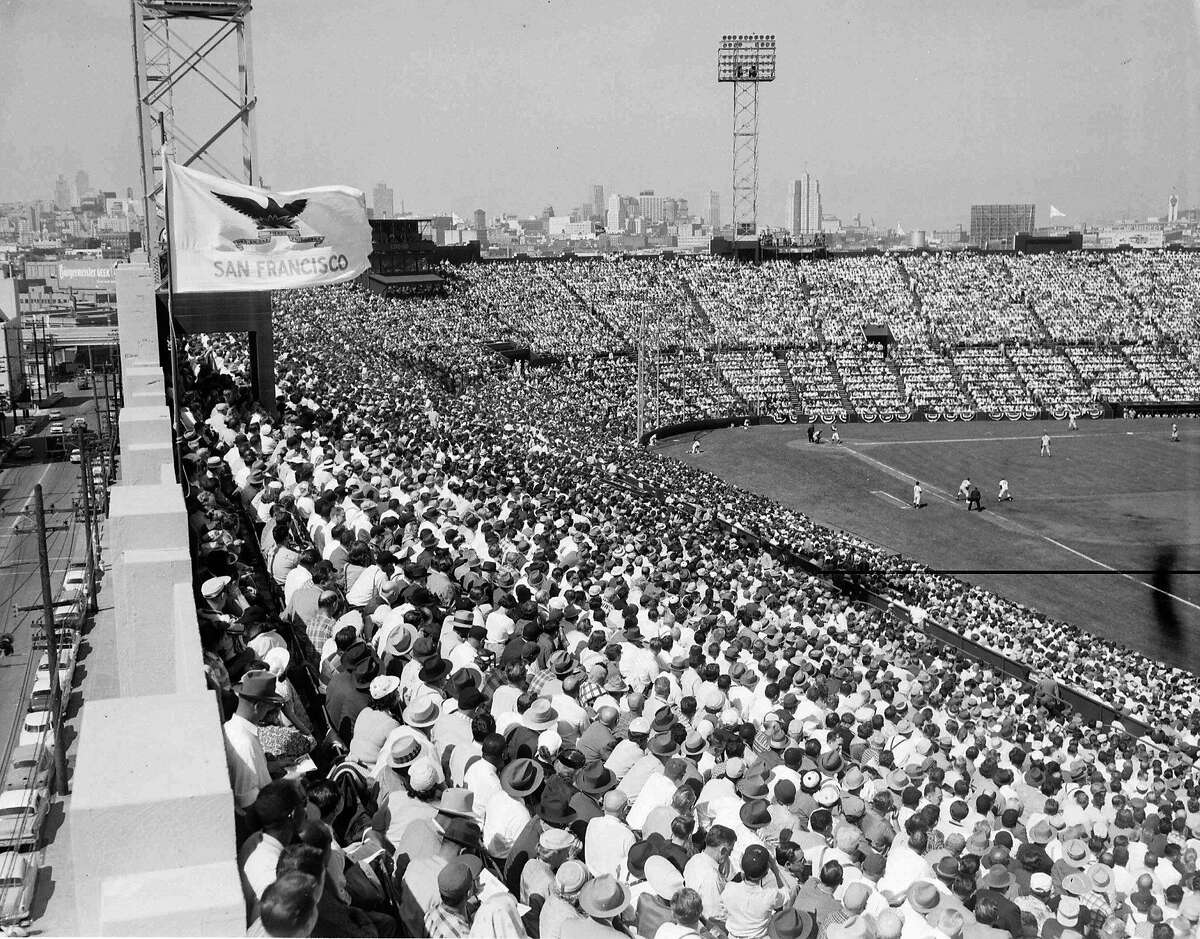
x=745 y=61
x=195 y=93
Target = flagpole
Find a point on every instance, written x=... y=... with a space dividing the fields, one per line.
x=176 y=422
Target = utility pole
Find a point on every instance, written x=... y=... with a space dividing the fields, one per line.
x=60 y=753
x=85 y=491
x=85 y=459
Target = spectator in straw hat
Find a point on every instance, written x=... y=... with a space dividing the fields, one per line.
x=604 y=899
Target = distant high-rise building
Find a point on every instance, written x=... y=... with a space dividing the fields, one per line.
x=615 y=218
x=384 y=201
x=480 y=220
x=714 y=209
x=81 y=184
x=804 y=206
x=1172 y=209
x=548 y=212
x=999 y=223
x=62 y=193
x=598 y=200
x=128 y=192
x=653 y=208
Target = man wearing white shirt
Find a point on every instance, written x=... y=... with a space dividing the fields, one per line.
x=608 y=839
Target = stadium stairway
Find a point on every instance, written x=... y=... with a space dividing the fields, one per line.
x=1084 y=383
x=587 y=308
x=837 y=380
x=1138 y=372
x=1012 y=366
x=793 y=392
x=701 y=313
x=961 y=382
x=1037 y=318
x=892 y=367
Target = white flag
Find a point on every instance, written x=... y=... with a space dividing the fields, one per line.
x=226 y=236
x=1055 y=213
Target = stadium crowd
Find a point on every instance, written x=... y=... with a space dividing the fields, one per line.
x=573 y=688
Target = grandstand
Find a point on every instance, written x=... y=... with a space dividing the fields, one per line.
x=499 y=500
x=988 y=335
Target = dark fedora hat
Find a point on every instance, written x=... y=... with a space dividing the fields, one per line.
x=521 y=777
x=259 y=686
x=434 y=670
x=595 y=779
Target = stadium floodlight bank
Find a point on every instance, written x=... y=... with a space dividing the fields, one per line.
x=745 y=61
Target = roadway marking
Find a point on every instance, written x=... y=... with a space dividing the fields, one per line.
x=1013 y=525
x=891 y=498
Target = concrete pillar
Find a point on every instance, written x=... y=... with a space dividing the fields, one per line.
x=148 y=424
x=141 y=516
x=184 y=901
x=157 y=643
x=262 y=363
x=142 y=463
x=152 y=797
x=144 y=385
x=137 y=322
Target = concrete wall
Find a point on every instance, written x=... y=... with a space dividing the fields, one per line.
x=151 y=815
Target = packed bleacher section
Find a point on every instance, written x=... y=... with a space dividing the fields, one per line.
x=487 y=669
x=972 y=299
x=1050 y=377
x=991 y=379
x=758 y=378
x=972 y=332
x=930 y=380
x=870 y=384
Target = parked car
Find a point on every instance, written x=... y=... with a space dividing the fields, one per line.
x=74 y=582
x=55 y=429
x=37 y=730
x=55 y=416
x=22 y=812
x=23 y=451
x=66 y=665
x=18 y=878
x=21 y=430
x=30 y=768
x=75 y=455
x=39 y=697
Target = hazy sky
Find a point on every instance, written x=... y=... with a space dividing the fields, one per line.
x=905 y=111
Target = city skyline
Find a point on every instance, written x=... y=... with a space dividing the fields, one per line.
x=986 y=107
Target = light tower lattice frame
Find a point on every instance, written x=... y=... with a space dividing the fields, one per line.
x=195 y=94
x=745 y=61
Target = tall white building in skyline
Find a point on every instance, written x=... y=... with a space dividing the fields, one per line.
x=615 y=217
x=714 y=210
x=804 y=206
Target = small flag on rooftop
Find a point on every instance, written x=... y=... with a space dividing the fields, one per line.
x=1055 y=213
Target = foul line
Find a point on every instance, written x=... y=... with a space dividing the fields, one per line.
x=890 y=498
x=1017 y=526
x=1065 y=436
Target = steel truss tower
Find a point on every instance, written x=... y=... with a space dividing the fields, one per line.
x=745 y=61
x=195 y=93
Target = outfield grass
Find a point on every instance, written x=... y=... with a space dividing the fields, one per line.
x=1114 y=494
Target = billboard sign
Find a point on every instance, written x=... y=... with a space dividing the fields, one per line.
x=90 y=274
